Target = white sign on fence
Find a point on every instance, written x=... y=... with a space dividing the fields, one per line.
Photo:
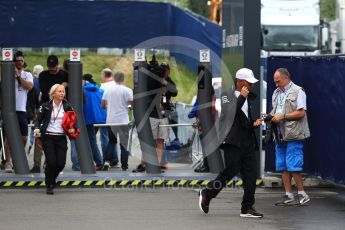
x=139 y=55
x=7 y=54
x=74 y=55
x=205 y=56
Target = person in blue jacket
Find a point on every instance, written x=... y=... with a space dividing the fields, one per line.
x=93 y=114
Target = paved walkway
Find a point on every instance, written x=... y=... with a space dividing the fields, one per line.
x=163 y=208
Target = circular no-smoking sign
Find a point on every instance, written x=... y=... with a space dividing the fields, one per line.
x=75 y=53
x=7 y=54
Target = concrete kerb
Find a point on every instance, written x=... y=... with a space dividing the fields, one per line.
x=109 y=181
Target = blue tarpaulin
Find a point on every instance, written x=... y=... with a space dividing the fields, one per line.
x=119 y=24
x=323 y=79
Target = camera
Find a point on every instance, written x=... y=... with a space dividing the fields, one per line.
x=267 y=117
x=270 y=127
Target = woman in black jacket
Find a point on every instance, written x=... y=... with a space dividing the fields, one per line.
x=48 y=126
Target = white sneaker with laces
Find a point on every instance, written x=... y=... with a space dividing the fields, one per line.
x=8 y=167
x=303 y=199
x=286 y=201
x=106 y=166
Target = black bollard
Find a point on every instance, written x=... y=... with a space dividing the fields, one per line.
x=209 y=139
x=75 y=96
x=141 y=111
x=12 y=130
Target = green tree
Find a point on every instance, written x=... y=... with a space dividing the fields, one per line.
x=200 y=7
x=180 y=3
x=327 y=9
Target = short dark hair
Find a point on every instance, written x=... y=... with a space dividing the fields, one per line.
x=107 y=73
x=283 y=72
x=119 y=77
x=18 y=54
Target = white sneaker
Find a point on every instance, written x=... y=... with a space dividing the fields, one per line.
x=303 y=199
x=106 y=166
x=286 y=201
x=8 y=167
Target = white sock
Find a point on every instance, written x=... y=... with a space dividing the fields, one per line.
x=302 y=193
x=289 y=194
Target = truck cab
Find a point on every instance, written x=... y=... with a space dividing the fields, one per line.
x=293 y=28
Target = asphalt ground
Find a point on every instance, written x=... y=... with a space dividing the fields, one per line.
x=163 y=208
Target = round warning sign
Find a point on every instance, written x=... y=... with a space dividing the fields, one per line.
x=7 y=54
x=75 y=54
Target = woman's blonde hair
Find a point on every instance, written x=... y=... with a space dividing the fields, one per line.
x=53 y=89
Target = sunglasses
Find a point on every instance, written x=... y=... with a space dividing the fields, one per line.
x=19 y=60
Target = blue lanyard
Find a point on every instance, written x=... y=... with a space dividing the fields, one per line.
x=282 y=95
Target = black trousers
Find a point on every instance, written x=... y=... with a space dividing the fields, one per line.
x=241 y=161
x=55 y=151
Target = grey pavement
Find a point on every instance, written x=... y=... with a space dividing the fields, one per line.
x=163 y=208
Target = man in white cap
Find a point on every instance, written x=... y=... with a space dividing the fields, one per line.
x=239 y=144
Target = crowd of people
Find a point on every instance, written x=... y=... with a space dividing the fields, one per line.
x=107 y=104
x=41 y=99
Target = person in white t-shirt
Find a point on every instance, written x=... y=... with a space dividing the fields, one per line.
x=108 y=140
x=116 y=100
x=23 y=83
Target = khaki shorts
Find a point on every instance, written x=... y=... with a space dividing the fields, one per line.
x=159 y=132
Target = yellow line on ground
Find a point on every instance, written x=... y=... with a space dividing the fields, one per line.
x=124 y=183
x=239 y=183
x=8 y=183
x=100 y=182
x=205 y=182
x=159 y=182
x=194 y=182
x=259 y=182
x=20 y=183
x=148 y=182
x=32 y=183
x=64 y=183
x=88 y=183
x=230 y=182
x=136 y=182
x=112 y=182
x=171 y=182
x=76 y=183
x=182 y=182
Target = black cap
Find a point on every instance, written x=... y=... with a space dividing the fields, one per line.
x=88 y=77
x=52 y=61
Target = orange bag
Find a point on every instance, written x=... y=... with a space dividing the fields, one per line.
x=68 y=122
